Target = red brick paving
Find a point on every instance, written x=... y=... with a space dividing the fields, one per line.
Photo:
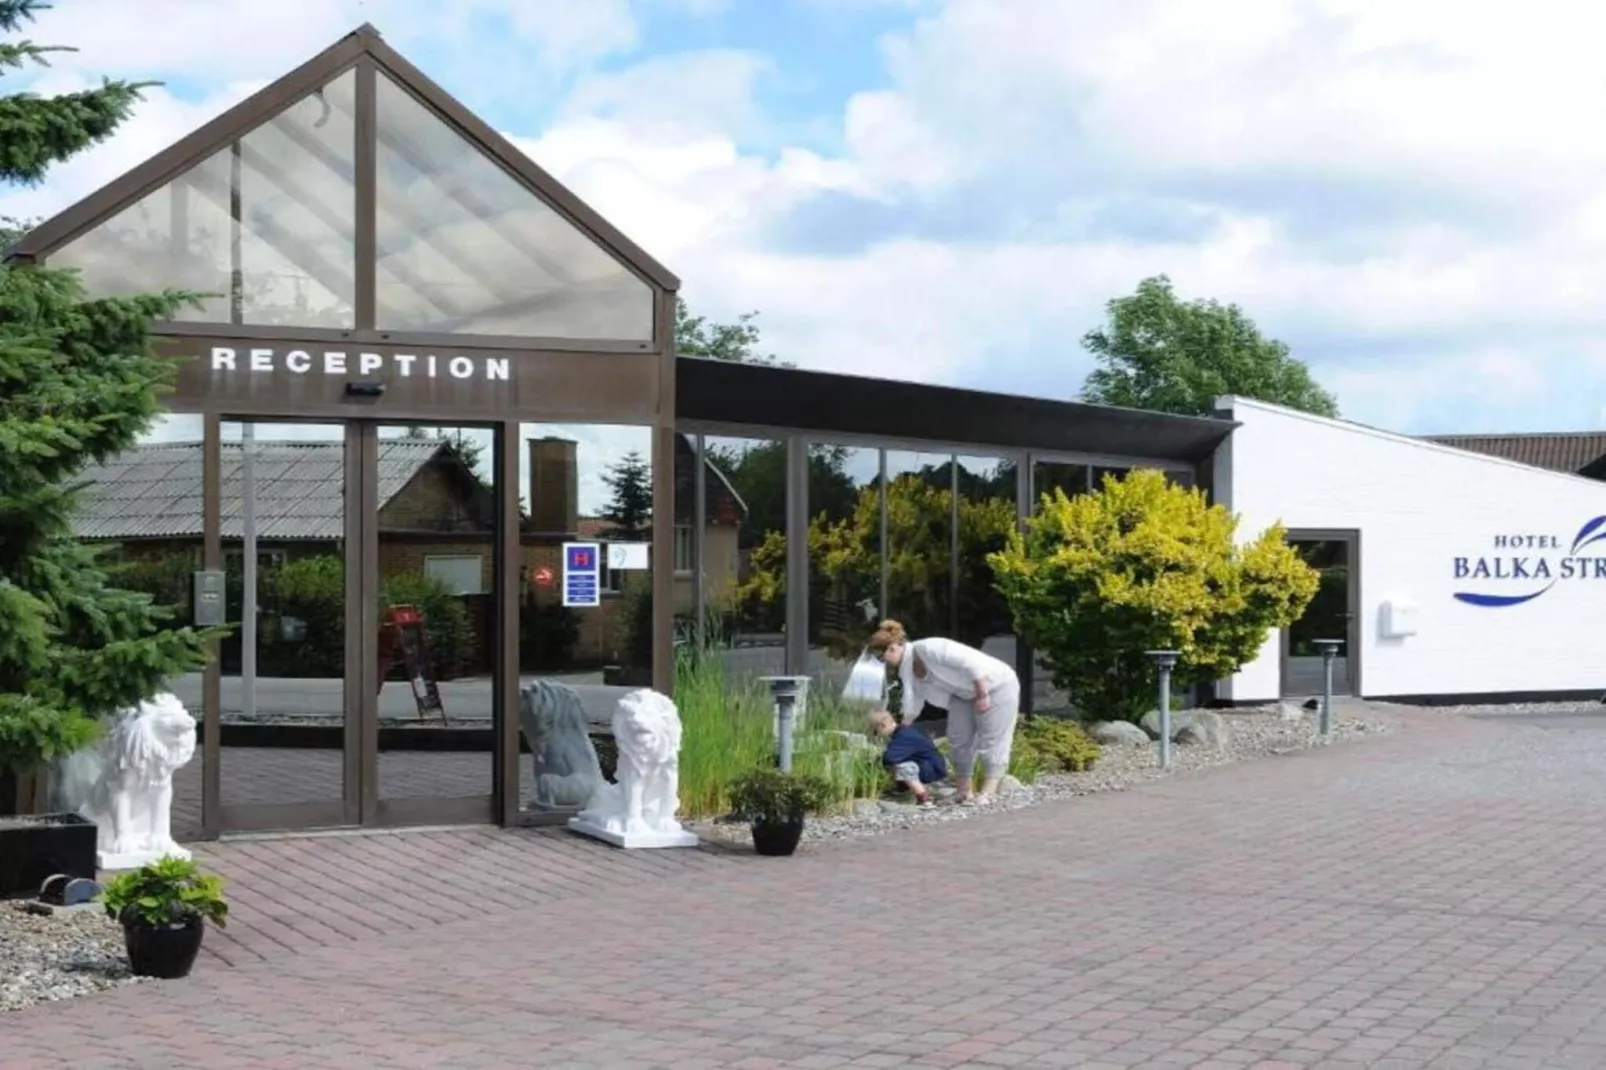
x=1422 y=901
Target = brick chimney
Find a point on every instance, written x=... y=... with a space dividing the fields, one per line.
x=554 y=486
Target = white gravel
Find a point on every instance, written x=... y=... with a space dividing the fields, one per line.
x=59 y=956
x=1251 y=734
x=1515 y=709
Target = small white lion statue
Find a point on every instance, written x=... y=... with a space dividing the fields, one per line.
x=124 y=784
x=639 y=810
x=567 y=772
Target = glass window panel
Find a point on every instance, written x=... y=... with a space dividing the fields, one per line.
x=283 y=504
x=294 y=247
x=919 y=547
x=437 y=560
x=466 y=248
x=1049 y=476
x=987 y=517
x=581 y=483
x=844 y=562
x=744 y=554
x=144 y=506
x=1101 y=474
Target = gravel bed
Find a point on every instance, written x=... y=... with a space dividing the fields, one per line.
x=59 y=956
x=1512 y=709
x=1251 y=734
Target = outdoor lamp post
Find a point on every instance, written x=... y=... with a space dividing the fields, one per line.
x=1329 y=649
x=1166 y=660
x=786 y=690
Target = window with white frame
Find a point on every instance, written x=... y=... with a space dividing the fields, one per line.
x=685 y=549
x=459 y=573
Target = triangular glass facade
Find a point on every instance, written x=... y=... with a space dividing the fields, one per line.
x=266 y=225
x=466 y=248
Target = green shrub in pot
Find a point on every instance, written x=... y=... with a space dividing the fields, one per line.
x=774 y=804
x=163 y=907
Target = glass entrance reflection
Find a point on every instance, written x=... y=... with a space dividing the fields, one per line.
x=284 y=718
x=1327 y=617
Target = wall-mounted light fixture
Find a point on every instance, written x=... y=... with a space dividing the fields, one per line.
x=367 y=389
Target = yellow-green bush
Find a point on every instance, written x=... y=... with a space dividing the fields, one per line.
x=1143 y=564
x=1058 y=745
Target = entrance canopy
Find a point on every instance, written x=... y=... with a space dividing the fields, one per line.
x=354 y=194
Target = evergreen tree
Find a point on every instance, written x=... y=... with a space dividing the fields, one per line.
x=629 y=514
x=78 y=384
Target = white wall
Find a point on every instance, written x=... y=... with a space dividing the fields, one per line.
x=1419 y=506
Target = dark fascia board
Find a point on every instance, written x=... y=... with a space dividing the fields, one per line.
x=269 y=101
x=823 y=403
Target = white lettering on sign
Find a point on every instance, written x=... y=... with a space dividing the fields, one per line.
x=336 y=362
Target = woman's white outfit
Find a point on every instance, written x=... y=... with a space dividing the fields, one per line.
x=951 y=672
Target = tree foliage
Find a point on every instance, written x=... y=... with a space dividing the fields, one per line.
x=736 y=342
x=629 y=511
x=78 y=384
x=845 y=564
x=1141 y=565
x=1161 y=353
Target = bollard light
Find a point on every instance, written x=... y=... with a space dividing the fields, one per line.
x=1329 y=649
x=785 y=690
x=1165 y=660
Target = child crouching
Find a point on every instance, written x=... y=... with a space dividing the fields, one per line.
x=910 y=755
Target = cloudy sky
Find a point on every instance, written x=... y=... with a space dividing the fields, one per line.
x=1409 y=193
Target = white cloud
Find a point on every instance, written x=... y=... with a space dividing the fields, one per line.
x=1407 y=177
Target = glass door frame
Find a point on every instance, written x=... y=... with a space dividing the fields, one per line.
x=1352 y=653
x=360 y=804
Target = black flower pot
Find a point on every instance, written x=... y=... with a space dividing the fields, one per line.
x=777 y=839
x=164 y=951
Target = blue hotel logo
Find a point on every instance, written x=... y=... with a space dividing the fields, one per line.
x=1533 y=564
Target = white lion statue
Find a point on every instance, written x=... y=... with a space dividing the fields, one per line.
x=639 y=810
x=567 y=772
x=124 y=784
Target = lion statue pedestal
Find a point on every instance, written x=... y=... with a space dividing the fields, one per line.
x=639 y=810
x=124 y=783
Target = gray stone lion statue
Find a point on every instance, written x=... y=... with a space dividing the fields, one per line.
x=124 y=783
x=639 y=810
x=567 y=772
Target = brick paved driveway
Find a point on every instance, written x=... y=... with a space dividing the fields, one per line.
x=1427 y=900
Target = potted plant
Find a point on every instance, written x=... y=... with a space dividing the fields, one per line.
x=163 y=908
x=774 y=804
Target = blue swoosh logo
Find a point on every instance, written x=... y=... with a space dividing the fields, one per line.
x=1495 y=601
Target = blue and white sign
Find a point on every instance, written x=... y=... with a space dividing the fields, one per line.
x=1523 y=566
x=582 y=574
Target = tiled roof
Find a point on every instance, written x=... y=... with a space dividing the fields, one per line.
x=1560 y=451
x=155 y=491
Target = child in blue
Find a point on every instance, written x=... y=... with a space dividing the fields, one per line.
x=910 y=755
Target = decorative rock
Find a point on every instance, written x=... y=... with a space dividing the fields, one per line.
x=1118 y=733
x=887 y=806
x=1180 y=719
x=1290 y=712
x=867 y=808
x=1206 y=729
x=1008 y=785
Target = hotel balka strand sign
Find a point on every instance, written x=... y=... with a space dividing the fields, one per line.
x=345 y=363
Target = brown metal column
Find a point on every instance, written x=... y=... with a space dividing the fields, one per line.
x=663 y=503
x=1025 y=499
x=362 y=624
x=212 y=675
x=367 y=215
x=505 y=612
x=797 y=556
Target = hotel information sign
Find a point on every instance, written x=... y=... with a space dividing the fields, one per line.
x=582 y=574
